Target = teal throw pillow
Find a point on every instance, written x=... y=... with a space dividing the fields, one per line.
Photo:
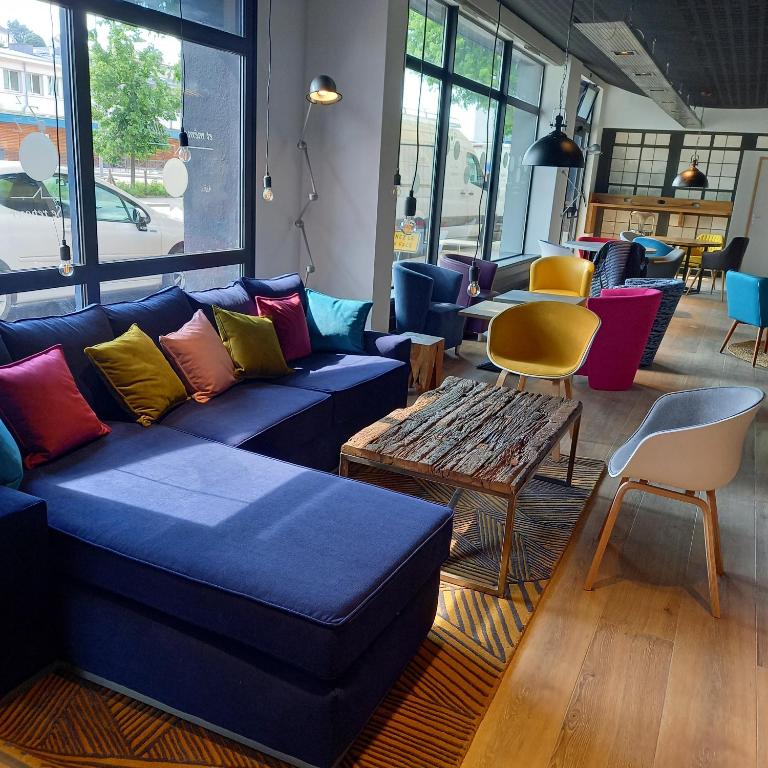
x=11 y=468
x=336 y=325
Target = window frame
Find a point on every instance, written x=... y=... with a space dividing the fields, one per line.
x=502 y=100
x=7 y=73
x=90 y=272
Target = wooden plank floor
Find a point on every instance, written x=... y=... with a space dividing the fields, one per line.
x=637 y=673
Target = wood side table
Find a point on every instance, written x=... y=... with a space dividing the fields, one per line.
x=426 y=361
x=471 y=436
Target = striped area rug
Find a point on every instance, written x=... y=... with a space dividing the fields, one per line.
x=429 y=717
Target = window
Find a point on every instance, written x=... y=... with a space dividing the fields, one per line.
x=122 y=225
x=473 y=147
x=35 y=84
x=12 y=80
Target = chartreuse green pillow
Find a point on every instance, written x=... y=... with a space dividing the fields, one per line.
x=139 y=374
x=336 y=325
x=252 y=344
x=11 y=468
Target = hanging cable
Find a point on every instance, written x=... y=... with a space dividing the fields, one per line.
x=473 y=289
x=409 y=222
x=268 y=194
x=398 y=180
x=183 y=153
x=66 y=267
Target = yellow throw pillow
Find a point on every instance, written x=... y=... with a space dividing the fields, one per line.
x=138 y=372
x=252 y=344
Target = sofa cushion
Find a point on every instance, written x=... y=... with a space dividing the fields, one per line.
x=64 y=422
x=275 y=287
x=11 y=468
x=302 y=565
x=264 y=418
x=142 y=379
x=74 y=332
x=336 y=325
x=363 y=388
x=233 y=298
x=156 y=315
x=290 y=321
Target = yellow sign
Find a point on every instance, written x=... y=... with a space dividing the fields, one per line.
x=407 y=243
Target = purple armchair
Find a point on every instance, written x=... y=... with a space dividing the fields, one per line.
x=461 y=263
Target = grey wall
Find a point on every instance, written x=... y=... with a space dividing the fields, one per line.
x=277 y=243
x=353 y=145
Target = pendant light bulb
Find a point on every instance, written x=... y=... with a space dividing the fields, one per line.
x=183 y=152
x=66 y=267
x=268 y=194
x=473 y=289
x=409 y=222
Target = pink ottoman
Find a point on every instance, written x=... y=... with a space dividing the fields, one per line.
x=627 y=316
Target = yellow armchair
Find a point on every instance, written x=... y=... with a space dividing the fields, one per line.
x=543 y=339
x=561 y=275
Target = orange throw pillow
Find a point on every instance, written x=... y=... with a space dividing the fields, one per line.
x=200 y=357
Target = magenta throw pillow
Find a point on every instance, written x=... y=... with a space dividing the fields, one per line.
x=287 y=315
x=43 y=408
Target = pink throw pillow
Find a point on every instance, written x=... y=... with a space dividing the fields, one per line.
x=43 y=408
x=200 y=357
x=290 y=321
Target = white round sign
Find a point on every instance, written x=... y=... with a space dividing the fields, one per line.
x=175 y=177
x=38 y=156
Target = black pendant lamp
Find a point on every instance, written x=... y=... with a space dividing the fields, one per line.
x=692 y=177
x=557 y=149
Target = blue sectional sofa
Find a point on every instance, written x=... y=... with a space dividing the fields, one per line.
x=204 y=563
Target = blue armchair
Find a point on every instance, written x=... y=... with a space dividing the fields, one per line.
x=747 y=304
x=426 y=301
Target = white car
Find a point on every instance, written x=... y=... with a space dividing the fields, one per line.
x=30 y=223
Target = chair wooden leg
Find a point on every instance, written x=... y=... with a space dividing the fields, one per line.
x=502 y=378
x=713 y=284
x=722 y=287
x=728 y=335
x=521 y=384
x=568 y=383
x=711 y=548
x=712 y=499
x=757 y=346
x=765 y=346
x=605 y=535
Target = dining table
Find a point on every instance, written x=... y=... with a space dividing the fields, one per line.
x=687 y=244
x=594 y=247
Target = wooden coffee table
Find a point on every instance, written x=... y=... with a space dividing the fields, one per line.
x=470 y=436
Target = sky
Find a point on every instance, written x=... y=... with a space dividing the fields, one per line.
x=37 y=16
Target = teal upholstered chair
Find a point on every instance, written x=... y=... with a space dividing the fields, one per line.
x=661 y=248
x=747 y=304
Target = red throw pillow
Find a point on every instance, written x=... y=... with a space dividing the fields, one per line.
x=287 y=315
x=42 y=406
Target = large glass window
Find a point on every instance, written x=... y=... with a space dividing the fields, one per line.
x=122 y=221
x=468 y=169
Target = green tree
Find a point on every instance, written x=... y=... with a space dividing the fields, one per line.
x=472 y=59
x=133 y=93
x=23 y=35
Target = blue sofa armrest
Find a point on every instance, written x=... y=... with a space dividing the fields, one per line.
x=26 y=640
x=390 y=345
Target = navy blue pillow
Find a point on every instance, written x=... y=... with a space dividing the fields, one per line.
x=233 y=298
x=275 y=287
x=74 y=332
x=161 y=313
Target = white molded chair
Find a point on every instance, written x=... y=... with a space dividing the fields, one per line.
x=691 y=440
x=553 y=249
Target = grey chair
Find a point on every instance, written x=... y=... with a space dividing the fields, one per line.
x=718 y=263
x=692 y=441
x=665 y=266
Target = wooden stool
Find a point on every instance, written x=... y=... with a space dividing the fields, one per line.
x=426 y=361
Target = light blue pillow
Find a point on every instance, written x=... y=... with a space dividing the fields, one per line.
x=336 y=325
x=11 y=468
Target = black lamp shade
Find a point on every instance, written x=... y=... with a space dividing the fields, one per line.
x=323 y=90
x=691 y=177
x=555 y=150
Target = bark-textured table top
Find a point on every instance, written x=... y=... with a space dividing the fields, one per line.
x=468 y=434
